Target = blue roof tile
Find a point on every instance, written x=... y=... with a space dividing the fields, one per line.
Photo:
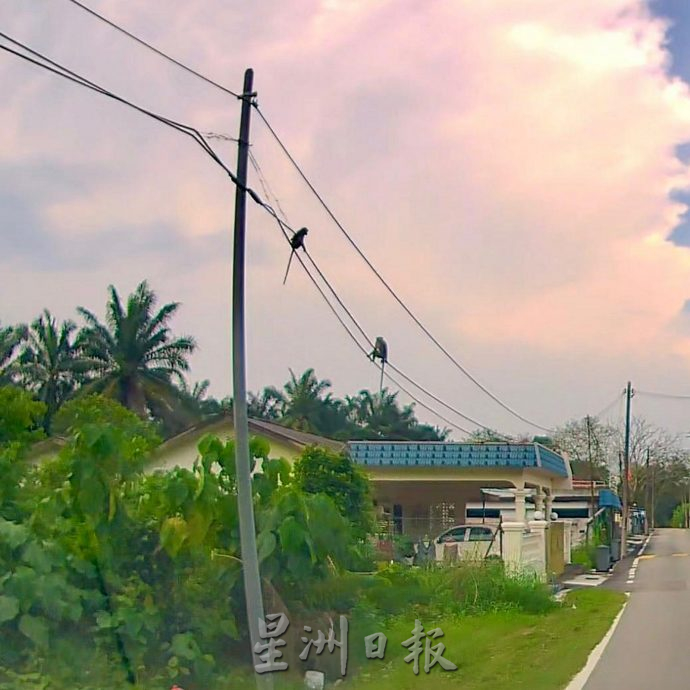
x=458 y=455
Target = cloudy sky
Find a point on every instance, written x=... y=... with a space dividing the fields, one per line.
x=517 y=170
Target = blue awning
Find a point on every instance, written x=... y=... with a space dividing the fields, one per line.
x=608 y=499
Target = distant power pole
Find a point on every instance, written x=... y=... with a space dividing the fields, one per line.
x=250 y=558
x=626 y=472
x=591 y=463
x=648 y=500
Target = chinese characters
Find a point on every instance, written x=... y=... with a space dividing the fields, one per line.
x=420 y=645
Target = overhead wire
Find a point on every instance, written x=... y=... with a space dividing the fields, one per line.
x=383 y=281
x=151 y=47
x=328 y=210
x=62 y=71
x=283 y=224
x=668 y=396
x=616 y=400
x=354 y=339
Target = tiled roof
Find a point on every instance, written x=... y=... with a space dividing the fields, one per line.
x=430 y=454
x=257 y=427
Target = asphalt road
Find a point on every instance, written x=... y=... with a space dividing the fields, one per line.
x=650 y=648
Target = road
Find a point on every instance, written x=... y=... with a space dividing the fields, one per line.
x=650 y=648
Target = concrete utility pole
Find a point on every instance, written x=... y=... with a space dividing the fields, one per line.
x=626 y=472
x=648 y=491
x=591 y=464
x=250 y=558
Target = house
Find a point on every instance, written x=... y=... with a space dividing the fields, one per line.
x=181 y=450
x=422 y=488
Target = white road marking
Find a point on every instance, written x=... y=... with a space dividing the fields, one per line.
x=580 y=680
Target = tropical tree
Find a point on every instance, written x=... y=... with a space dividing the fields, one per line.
x=49 y=363
x=134 y=358
x=379 y=415
x=11 y=338
x=266 y=405
x=306 y=406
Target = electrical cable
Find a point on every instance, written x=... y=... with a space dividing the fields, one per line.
x=284 y=224
x=325 y=206
x=74 y=77
x=159 y=52
x=669 y=396
x=383 y=281
x=80 y=80
x=356 y=341
x=610 y=405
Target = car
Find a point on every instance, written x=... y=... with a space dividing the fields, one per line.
x=468 y=542
x=466 y=533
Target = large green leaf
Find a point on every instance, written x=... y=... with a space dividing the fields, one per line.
x=36 y=629
x=292 y=535
x=184 y=645
x=12 y=534
x=91 y=496
x=37 y=557
x=173 y=534
x=9 y=608
x=266 y=544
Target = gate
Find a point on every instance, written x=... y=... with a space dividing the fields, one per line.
x=555 y=548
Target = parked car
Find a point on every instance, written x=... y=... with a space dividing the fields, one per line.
x=473 y=542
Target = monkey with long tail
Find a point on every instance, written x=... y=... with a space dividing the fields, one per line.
x=296 y=241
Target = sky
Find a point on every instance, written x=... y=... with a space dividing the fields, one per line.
x=517 y=171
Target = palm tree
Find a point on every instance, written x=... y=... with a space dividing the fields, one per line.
x=304 y=402
x=11 y=338
x=266 y=405
x=134 y=358
x=380 y=415
x=49 y=366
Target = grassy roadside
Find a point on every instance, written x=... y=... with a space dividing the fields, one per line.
x=502 y=651
x=495 y=651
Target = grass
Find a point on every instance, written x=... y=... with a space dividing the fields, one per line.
x=501 y=633
x=504 y=650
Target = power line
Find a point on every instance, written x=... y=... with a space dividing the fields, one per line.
x=62 y=71
x=383 y=281
x=159 y=52
x=663 y=395
x=390 y=364
x=616 y=400
x=325 y=206
x=199 y=138
x=285 y=224
x=78 y=79
x=356 y=341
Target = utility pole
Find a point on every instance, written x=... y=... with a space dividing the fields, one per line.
x=653 y=501
x=648 y=492
x=250 y=558
x=591 y=463
x=626 y=472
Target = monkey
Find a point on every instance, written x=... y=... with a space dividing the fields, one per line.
x=296 y=241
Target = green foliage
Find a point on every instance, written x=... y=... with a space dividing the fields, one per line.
x=679 y=518
x=20 y=416
x=322 y=471
x=49 y=364
x=11 y=338
x=98 y=409
x=133 y=357
x=468 y=588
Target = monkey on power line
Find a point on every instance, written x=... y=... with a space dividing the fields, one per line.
x=296 y=241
